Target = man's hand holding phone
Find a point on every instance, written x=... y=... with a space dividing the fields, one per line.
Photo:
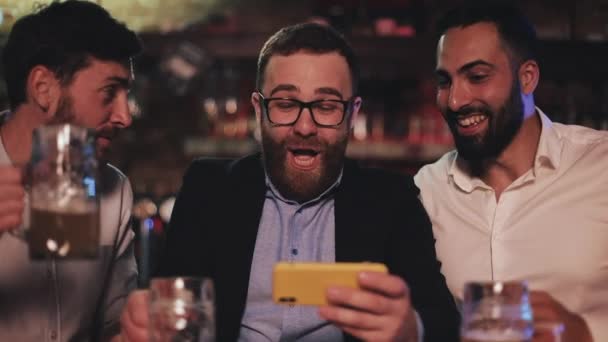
x=362 y=299
x=380 y=310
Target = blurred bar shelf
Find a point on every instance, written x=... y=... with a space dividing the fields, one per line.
x=393 y=150
x=396 y=57
x=219 y=147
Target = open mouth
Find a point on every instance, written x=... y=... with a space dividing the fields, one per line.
x=104 y=139
x=471 y=124
x=304 y=158
x=473 y=120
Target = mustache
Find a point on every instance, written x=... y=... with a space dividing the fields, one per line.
x=312 y=143
x=468 y=110
x=107 y=132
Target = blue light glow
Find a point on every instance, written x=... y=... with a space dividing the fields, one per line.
x=89 y=182
x=149 y=223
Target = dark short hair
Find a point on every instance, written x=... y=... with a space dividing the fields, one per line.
x=516 y=33
x=63 y=36
x=308 y=37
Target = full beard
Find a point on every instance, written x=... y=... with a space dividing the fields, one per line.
x=503 y=125
x=302 y=185
x=103 y=134
x=65 y=111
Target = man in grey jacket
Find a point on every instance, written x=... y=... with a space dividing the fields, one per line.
x=68 y=62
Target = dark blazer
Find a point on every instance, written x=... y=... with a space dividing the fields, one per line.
x=378 y=218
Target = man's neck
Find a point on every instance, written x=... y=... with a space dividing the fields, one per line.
x=517 y=159
x=16 y=133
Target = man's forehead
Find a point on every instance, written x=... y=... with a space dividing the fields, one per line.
x=461 y=45
x=109 y=69
x=308 y=71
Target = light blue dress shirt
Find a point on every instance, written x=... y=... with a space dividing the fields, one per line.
x=289 y=231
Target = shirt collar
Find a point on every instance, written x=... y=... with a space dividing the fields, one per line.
x=548 y=154
x=276 y=194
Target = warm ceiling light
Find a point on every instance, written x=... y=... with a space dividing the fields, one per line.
x=139 y=15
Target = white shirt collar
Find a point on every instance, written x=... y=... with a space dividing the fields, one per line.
x=548 y=155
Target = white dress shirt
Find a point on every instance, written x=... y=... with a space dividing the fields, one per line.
x=56 y=300
x=549 y=227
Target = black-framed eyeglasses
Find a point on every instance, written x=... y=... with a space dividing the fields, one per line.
x=286 y=111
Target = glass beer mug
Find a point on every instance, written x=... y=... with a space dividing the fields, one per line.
x=182 y=309
x=64 y=206
x=496 y=312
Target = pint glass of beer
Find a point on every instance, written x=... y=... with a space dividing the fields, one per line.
x=496 y=312
x=182 y=309
x=63 y=200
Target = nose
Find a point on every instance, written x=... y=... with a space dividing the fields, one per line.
x=121 y=115
x=305 y=126
x=459 y=96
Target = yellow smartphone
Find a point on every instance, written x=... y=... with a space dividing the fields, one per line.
x=299 y=283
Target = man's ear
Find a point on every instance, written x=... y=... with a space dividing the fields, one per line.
x=43 y=89
x=257 y=106
x=529 y=76
x=356 y=106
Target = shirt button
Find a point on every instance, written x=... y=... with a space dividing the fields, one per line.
x=53 y=334
x=294 y=251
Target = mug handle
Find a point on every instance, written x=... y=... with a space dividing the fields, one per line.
x=554 y=329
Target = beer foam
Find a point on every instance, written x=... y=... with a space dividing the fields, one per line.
x=495 y=335
x=76 y=206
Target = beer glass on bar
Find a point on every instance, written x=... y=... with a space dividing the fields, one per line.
x=182 y=309
x=63 y=199
x=496 y=312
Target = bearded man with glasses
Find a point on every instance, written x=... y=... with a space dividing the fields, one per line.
x=302 y=200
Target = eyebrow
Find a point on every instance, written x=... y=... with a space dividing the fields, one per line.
x=473 y=64
x=329 y=91
x=284 y=87
x=466 y=67
x=123 y=81
x=322 y=90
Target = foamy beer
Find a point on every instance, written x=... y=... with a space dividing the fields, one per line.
x=64 y=206
x=496 y=312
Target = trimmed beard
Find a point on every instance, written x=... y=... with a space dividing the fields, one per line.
x=503 y=125
x=65 y=110
x=301 y=185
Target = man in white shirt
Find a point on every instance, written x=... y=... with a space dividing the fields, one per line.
x=67 y=62
x=521 y=198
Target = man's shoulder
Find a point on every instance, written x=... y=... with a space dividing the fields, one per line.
x=216 y=173
x=112 y=180
x=580 y=135
x=583 y=145
x=209 y=165
x=212 y=165
x=382 y=181
x=113 y=171
x=435 y=172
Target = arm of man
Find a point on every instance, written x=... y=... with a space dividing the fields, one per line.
x=12 y=196
x=186 y=237
x=548 y=311
x=412 y=253
x=380 y=311
x=387 y=223
x=124 y=271
x=188 y=212
x=412 y=256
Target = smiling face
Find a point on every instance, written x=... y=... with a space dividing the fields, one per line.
x=303 y=160
x=478 y=91
x=97 y=98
